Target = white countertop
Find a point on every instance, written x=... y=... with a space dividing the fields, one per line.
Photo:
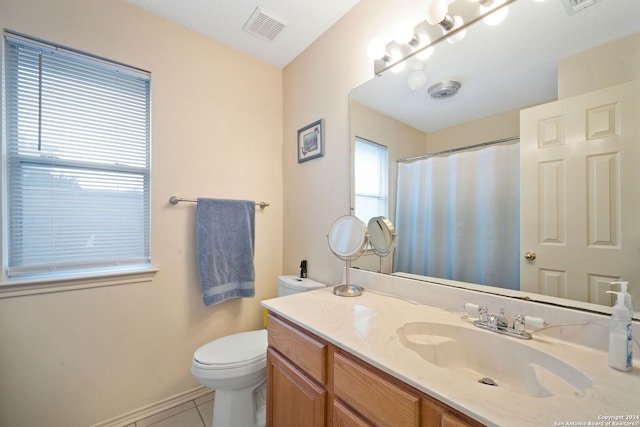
x=366 y=327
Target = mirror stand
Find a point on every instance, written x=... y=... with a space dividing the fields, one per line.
x=348 y=239
x=347 y=290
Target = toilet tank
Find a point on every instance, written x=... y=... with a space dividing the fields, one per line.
x=288 y=285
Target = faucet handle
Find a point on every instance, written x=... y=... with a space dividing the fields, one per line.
x=484 y=314
x=518 y=323
x=502 y=319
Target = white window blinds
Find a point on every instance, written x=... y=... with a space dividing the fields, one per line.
x=77 y=160
x=371 y=167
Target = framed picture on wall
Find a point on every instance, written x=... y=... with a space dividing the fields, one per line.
x=311 y=141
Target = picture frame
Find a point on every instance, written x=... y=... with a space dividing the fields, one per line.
x=311 y=141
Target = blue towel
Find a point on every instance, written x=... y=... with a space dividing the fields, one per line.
x=226 y=234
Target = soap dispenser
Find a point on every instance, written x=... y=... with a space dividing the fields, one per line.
x=620 y=351
x=303 y=269
x=627 y=295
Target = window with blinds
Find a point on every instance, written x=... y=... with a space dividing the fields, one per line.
x=77 y=161
x=371 y=165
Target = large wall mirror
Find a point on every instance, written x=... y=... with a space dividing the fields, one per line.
x=516 y=79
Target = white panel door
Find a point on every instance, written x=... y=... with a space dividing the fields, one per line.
x=580 y=193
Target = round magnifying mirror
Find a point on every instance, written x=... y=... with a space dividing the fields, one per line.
x=382 y=235
x=348 y=239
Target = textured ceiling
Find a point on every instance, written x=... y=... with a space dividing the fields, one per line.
x=223 y=20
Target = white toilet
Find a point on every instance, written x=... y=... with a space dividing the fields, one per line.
x=235 y=366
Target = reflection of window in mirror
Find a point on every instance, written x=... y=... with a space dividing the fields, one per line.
x=371 y=165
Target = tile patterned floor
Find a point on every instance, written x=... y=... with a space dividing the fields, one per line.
x=195 y=413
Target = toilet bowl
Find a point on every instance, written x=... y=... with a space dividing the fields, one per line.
x=235 y=366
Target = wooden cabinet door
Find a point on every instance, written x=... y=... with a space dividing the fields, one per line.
x=293 y=399
x=344 y=417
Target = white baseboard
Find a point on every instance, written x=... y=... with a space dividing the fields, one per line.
x=154 y=408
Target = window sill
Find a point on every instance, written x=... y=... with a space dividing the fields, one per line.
x=11 y=288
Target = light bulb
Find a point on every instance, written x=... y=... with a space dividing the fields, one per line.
x=417 y=79
x=436 y=11
x=424 y=54
x=458 y=22
x=494 y=17
x=403 y=33
x=376 y=49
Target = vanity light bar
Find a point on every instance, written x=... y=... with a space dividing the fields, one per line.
x=469 y=13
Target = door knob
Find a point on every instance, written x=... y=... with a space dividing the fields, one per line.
x=530 y=255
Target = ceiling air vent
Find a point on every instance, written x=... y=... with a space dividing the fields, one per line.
x=264 y=24
x=573 y=6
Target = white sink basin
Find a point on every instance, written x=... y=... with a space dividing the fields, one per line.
x=480 y=355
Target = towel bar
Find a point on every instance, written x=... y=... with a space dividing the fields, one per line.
x=175 y=200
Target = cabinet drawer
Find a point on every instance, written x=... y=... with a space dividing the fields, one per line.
x=380 y=401
x=304 y=350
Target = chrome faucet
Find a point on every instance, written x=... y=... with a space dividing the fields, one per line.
x=498 y=323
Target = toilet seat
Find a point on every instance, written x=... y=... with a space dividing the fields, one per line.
x=233 y=351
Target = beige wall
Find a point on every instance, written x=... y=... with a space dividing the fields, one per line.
x=80 y=357
x=499 y=126
x=603 y=66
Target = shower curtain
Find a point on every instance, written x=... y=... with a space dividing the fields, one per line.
x=458 y=217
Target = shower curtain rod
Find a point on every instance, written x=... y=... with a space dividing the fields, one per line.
x=453 y=150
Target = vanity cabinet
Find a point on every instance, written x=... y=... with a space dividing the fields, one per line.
x=312 y=383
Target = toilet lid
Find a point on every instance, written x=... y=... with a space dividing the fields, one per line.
x=234 y=350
